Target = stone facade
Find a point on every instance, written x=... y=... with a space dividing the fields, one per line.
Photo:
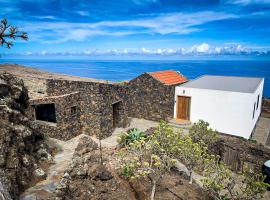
x=150 y=99
x=104 y=106
x=67 y=123
x=96 y=104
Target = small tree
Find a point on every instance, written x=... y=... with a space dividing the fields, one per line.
x=253 y=186
x=174 y=144
x=222 y=184
x=217 y=177
x=9 y=32
x=139 y=161
x=191 y=154
x=165 y=139
x=201 y=131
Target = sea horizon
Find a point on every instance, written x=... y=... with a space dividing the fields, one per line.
x=122 y=70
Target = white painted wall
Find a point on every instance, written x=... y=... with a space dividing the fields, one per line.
x=227 y=112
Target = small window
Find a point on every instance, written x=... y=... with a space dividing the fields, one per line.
x=254 y=110
x=73 y=110
x=258 y=100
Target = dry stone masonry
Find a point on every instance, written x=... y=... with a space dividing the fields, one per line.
x=150 y=99
x=239 y=153
x=67 y=114
x=97 y=107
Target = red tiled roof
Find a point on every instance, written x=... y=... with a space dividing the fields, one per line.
x=169 y=77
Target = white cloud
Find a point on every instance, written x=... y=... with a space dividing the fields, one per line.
x=80 y=34
x=174 y=23
x=202 y=48
x=88 y=52
x=46 y=17
x=181 y=23
x=43 y=53
x=145 y=51
x=248 y=2
x=140 y=2
x=83 y=13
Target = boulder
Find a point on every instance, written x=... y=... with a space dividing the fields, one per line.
x=40 y=174
x=86 y=178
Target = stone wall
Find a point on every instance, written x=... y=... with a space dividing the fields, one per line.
x=142 y=97
x=238 y=153
x=96 y=104
x=150 y=99
x=112 y=94
x=67 y=123
x=266 y=103
x=266 y=107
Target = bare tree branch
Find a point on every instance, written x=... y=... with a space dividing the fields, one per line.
x=9 y=33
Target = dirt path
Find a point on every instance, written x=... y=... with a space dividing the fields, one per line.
x=62 y=159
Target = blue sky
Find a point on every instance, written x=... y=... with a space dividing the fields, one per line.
x=131 y=28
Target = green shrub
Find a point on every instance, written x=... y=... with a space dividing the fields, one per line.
x=252 y=141
x=201 y=132
x=131 y=135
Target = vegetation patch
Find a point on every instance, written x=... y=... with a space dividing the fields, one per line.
x=150 y=158
x=125 y=138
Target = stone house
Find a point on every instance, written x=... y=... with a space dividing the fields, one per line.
x=151 y=95
x=58 y=115
x=97 y=107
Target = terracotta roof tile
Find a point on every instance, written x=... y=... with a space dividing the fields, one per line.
x=169 y=77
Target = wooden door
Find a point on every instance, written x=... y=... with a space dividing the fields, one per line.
x=183 y=107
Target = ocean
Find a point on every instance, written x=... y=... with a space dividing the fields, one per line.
x=117 y=70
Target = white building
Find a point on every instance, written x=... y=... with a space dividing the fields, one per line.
x=231 y=105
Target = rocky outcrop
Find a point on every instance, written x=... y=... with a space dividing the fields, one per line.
x=88 y=179
x=4 y=194
x=20 y=144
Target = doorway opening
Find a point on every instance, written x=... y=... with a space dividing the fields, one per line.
x=183 y=108
x=45 y=112
x=116 y=113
